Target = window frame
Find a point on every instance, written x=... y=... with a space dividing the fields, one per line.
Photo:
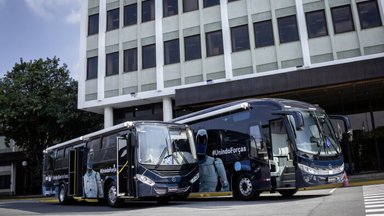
x=311 y=35
x=127 y=21
x=281 y=35
x=126 y=66
x=333 y=19
x=88 y=68
x=190 y=57
x=234 y=36
x=258 y=45
x=166 y=11
x=143 y=59
x=206 y=3
x=380 y=23
x=193 y=8
x=111 y=25
x=148 y=4
x=170 y=59
x=107 y=64
x=208 y=44
x=90 y=21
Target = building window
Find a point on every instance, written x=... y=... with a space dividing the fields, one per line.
x=316 y=24
x=130 y=14
x=93 y=24
x=130 y=60
x=214 y=42
x=209 y=3
x=112 y=63
x=149 y=56
x=113 y=19
x=5 y=181
x=170 y=8
x=171 y=52
x=92 y=68
x=148 y=10
x=263 y=33
x=192 y=47
x=288 y=29
x=240 y=38
x=369 y=14
x=342 y=19
x=190 y=5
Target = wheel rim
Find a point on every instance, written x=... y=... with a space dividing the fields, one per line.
x=112 y=194
x=62 y=194
x=245 y=186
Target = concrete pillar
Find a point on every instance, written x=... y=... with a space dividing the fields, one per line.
x=108 y=117
x=167 y=109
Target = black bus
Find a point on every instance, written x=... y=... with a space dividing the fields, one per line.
x=269 y=145
x=132 y=160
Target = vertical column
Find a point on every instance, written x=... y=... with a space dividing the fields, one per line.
x=226 y=39
x=159 y=45
x=167 y=109
x=381 y=8
x=331 y=32
x=303 y=32
x=13 y=178
x=275 y=33
x=82 y=70
x=251 y=34
x=108 y=117
x=356 y=19
x=101 y=49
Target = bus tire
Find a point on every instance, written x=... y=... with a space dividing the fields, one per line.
x=63 y=197
x=243 y=188
x=113 y=200
x=288 y=192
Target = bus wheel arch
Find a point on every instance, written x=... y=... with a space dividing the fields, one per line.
x=112 y=197
x=288 y=192
x=242 y=186
x=63 y=197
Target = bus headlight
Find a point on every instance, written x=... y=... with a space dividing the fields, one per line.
x=145 y=180
x=307 y=169
x=195 y=178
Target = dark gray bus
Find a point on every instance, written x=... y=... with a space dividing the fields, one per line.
x=270 y=145
x=132 y=160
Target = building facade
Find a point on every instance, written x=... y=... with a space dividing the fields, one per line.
x=158 y=59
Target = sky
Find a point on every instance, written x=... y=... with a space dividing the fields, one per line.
x=33 y=29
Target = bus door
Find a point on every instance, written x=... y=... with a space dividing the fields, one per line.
x=123 y=174
x=282 y=167
x=76 y=170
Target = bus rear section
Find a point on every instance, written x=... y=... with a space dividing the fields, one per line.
x=274 y=145
x=133 y=160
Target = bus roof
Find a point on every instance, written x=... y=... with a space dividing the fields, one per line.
x=282 y=104
x=127 y=124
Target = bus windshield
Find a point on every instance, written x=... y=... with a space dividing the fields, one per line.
x=165 y=145
x=317 y=137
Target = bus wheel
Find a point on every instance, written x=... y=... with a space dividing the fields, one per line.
x=288 y=192
x=63 y=197
x=112 y=198
x=243 y=188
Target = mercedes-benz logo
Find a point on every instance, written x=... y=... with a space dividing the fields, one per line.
x=330 y=166
x=173 y=179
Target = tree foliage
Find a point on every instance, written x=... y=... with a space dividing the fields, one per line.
x=38 y=107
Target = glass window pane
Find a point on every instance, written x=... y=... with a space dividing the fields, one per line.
x=149 y=56
x=170 y=8
x=342 y=19
x=92 y=68
x=264 y=33
x=209 y=3
x=171 y=52
x=192 y=47
x=190 y=5
x=113 y=19
x=93 y=24
x=130 y=14
x=288 y=29
x=112 y=63
x=148 y=10
x=316 y=24
x=369 y=14
x=214 y=43
x=240 y=38
x=130 y=60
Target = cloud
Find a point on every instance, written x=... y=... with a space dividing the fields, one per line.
x=66 y=10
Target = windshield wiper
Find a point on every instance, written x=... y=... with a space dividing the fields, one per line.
x=162 y=154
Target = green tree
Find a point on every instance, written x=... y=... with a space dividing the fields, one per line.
x=38 y=107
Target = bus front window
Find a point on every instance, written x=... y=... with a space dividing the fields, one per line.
x=163 y=145
x=317 y=136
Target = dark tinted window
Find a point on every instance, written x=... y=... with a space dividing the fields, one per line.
x=316 y=24
x=130 y=60
x=342 y=19
x=112 y=63
x=92 y=68
x=130 y=14
x=214 y=43
x=113 y=19
x=170 y=8
x=263 y=33
x=94 y=144
x=149 y=56
x=369 y=14
x=288 y=29
x=148 y=10
x=209 y=3
x=190 y=5
x=192 y=47
x=171 y=52
x=240 y=38
x=93 y=24
x=5 y=181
